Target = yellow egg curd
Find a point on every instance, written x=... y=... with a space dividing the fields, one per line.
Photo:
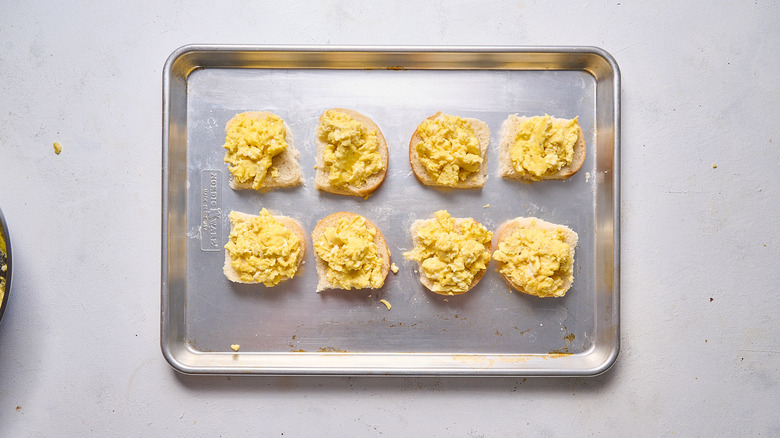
x=351 y=153
x=542 y=146
x=351 y=255
x=451 y=257
x=251 y=144
x=537 y=259
x=262 y=249
x=449 y=149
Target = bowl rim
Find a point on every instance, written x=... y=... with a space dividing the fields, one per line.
x=8 y=262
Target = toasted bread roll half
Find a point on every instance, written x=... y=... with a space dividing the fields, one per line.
x=452 y=253
x=351 y=154
x=536 y=257
x=547 y=163
x=448 y=158
x=350 y=253
x=248 y=152
x=263 y=248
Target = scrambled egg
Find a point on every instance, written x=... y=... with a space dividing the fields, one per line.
x=235 y=347
x=251 y=145
x=543 y=146
x=449 y=149
x=351 y=150
x=451 y=257
x=262 y=249
x=537 y=259
x=394 y=268
x=351 y=254
x=57 y=147
x=387 y=304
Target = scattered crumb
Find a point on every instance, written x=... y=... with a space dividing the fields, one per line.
x=57 y=147
x=235 y=347
x=712 y=299
x=705 y=341
x=387 y=304
x=394 y=267
x=587 y=176
x=18 y=408
x=366 y=197
x=446 y=300
x=315 y=167
x=486 y=206
x=714 y=166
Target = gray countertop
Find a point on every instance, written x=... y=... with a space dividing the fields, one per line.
x=700 y=239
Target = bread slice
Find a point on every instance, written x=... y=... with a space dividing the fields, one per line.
x=508 y=228
x=286 y=162
x=289 y=223
x=373 y=182
x=509 y=131
x=475 y=180
x=428 y=283
x=322 y=266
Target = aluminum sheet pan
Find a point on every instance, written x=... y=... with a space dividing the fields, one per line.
x=291 y=329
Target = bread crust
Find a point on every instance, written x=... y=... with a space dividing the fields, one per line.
x=425 y=280
x=322 y=266
x=286 y=162
x=508 y=132
x=508 y=228
x=373 y=182
x=476 y=180
x=288 y=222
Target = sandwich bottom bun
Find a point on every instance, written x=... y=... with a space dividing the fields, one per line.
x=442 y=249
x=509 y=131
x=361 y=261
x=269 y=277
x=474 y=180
x=373 y=181
x=285 y=171
x=536 y=257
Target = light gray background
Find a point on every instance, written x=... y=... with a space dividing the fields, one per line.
x=79 y=343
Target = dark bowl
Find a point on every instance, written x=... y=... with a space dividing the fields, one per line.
x=8 y=262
